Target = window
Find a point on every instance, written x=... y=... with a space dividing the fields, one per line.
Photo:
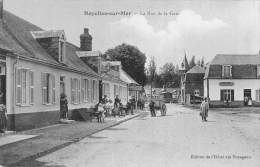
x=24 y=86
x=227 y=95
x=84 y=88
x=75 y=91
x=196 y=92
x=120 y=92
x=94 y=90
x=226 y=71
x=48 y=88
x=116 y=91
x=257 y=93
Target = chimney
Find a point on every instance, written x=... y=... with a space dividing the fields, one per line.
x=86 y=41
x=1 y=9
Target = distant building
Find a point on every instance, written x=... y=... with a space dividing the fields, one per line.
x=230 y=79
x=192 y=85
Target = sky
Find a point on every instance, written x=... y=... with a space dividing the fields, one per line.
x=164 y=29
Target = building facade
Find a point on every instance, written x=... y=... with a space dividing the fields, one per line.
x=36 y=66
x=231 y=79
x=192 y=85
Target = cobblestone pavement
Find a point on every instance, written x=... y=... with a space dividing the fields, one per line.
x=50 y=139
x=178 y=139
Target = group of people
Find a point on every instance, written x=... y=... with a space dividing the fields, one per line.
x=248 y=101
x=106 y=108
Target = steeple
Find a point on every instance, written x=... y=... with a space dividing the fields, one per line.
x=184 y=64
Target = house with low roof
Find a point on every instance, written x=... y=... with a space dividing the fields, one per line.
x=230 y=79
x=36 y=66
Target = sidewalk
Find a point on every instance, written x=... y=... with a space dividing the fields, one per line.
x=54 y=137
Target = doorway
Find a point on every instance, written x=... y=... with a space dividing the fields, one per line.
x=2 y=89
x=247 y=96
x=63 y=99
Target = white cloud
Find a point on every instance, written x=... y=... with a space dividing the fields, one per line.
x=168 y=43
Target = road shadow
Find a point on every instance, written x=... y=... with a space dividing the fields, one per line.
x=140 y=119
x=33 y=163
x=116 y=129
x=211 y=121
x=165 y=115
x=96 y=137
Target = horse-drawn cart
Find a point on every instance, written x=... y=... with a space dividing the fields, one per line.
x=159 y=104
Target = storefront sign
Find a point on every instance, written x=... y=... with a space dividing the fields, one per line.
x=226 y=83
x=135 y=88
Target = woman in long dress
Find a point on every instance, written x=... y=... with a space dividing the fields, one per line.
x=204 y=108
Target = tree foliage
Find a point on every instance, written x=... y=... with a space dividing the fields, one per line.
x=151 y=70
x=169 y=75
x=192 y=62
x=132 y=59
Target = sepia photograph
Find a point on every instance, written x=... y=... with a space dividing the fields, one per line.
x=129 y=83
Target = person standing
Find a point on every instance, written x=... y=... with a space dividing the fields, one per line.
x=152 y=108
x=204 y=108
x=3 y=114
x=132 y=105
x=63 y=106
x=250 y=103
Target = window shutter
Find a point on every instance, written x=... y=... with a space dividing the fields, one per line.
x=257 y=95
x=24 y=86
x=231 y=73
x=18 y=86
x=44 y=87
x=221 y=95
x=53 y=89
x=78 y=91
x=232 y=94
x=97 y=90
x=71 y=93
x=31 y=87
x=82 y=90
x=88 y=91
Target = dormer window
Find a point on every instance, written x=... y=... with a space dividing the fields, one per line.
x=53 y=41
x=226 y=71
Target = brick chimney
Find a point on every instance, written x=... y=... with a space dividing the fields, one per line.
x=86 y=41
x=1 y=9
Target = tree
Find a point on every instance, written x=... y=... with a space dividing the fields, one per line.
x=192 y=62
x=151 y=72
x=132 y=59
x=167 y=73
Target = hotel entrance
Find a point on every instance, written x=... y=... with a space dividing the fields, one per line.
x=247 y=97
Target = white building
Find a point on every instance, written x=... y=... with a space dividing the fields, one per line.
x=230 y=79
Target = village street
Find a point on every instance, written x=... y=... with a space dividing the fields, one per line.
x=178 y=139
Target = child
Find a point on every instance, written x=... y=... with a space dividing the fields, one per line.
x=101 y=113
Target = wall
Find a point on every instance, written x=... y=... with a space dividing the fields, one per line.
x=239 y=86
x=34 y=115
x=112 y=95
